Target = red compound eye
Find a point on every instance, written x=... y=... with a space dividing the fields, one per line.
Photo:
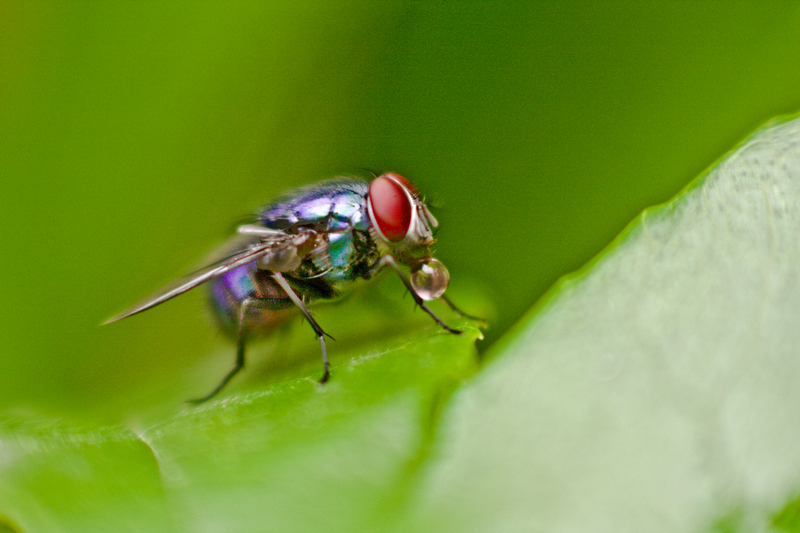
x=402 y=181
x=391 y=206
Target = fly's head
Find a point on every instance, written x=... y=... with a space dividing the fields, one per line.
x=402 y=223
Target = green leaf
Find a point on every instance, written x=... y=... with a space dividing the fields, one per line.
x=655 y=390
x=292 y=456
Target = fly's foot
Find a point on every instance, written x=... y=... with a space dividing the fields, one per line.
x=461 y=313
x=454 y=331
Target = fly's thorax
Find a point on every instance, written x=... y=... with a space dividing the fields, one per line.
x=339 y=203
x=340 y=259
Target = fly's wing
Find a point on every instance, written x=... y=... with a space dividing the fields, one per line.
x=240 y=252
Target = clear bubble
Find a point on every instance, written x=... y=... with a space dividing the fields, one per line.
x=430 y=278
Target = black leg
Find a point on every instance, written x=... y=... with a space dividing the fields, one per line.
x=240 y=342
x=326 y=367
x=459 y=312
x=388 y=259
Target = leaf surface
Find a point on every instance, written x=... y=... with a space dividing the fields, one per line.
x=655 y=390
x=291 y=456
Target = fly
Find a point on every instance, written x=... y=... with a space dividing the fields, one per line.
x=314 y=243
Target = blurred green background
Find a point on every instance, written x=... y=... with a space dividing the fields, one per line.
x=134 y=135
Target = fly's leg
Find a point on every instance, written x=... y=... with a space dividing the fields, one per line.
x=240 y=342
x=326 y=374
x=389 y=260
x=459 y=312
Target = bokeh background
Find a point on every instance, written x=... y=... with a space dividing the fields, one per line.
x=134 y=135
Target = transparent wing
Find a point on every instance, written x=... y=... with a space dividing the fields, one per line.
x=241 y=252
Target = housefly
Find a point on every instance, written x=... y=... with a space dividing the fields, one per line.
x=314 y=243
